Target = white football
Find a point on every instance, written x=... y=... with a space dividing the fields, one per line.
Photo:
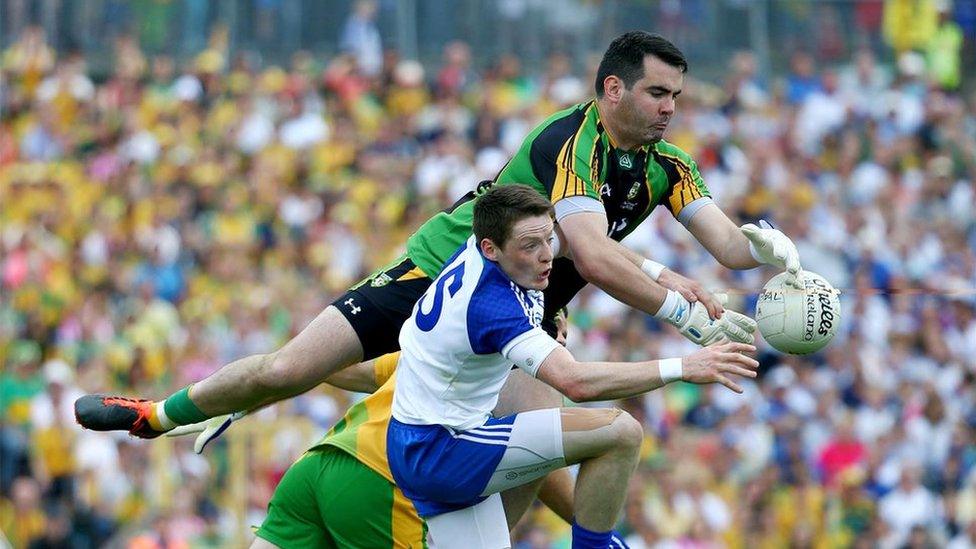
x=796 y=321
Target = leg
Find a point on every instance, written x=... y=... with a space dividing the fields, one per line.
x=325 y=346
x=522 y=393
x=480 y=526
x=363 y=322
x=293 y=517
x=606 y=444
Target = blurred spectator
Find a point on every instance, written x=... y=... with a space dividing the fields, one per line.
x=361 y=38
x=909 y=24
x=909 y=506
x=164 y=214
x=943 y=50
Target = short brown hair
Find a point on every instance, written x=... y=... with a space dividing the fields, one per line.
x=499 y=209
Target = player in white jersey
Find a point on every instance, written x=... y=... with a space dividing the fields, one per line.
x=480 y=316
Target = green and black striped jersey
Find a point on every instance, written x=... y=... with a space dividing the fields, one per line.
x=570 y=154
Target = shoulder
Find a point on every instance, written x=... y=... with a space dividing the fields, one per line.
x=496 y=296
x=556 y=130
x=500 y=311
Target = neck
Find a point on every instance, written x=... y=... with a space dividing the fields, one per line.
x=609 y=121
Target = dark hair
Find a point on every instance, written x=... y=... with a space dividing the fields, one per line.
x=502 y=206
x=625 y=57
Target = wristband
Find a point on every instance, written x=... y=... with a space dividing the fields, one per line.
x=670 y=369
x=674 y=310
x=652 y=268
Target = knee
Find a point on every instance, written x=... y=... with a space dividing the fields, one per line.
x=629 y=433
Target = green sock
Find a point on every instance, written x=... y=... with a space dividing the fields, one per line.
x=181 y=410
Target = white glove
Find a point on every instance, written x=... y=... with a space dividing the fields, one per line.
x=772 y=247
x=693 y=322
x=208 y=429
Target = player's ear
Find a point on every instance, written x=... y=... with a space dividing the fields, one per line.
x=613 y=87
x=488 y=249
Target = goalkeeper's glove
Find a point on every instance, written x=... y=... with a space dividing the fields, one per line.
x=693 y=322
x=209 y=429
x=772 y=247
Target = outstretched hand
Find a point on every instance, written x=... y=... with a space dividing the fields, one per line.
x=714 y=364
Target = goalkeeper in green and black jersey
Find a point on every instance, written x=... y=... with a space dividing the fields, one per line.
x=604 y=166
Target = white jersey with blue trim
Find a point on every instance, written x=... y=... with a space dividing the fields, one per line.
x=461 y=340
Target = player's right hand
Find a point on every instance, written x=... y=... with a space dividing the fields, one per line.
x=714 y=363
x=695 y=324
x=209 y=429
x=692 y=291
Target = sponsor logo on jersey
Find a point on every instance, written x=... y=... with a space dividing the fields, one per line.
x=634 y=189
x=381 y=280
x=626 y=162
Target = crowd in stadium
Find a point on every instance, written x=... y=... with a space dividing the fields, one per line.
x=174 y=217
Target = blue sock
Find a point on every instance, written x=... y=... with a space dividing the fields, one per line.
x=588 y=539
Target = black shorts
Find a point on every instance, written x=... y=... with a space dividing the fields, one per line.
x=379 y=305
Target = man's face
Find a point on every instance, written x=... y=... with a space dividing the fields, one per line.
x=646 y=108
x=527 y=255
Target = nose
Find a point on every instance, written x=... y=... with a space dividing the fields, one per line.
x=667 y=105
x=546 y=255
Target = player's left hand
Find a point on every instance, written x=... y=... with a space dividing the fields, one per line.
x=772 y=247
x=209 y=429
x=692 y=291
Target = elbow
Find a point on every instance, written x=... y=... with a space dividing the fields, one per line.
x=577 y=393
x=575 y=388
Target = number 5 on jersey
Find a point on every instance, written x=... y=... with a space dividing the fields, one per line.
x=427 y=321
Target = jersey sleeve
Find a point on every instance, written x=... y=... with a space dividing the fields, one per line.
x=565 y=157
x=529 y=350
x=686 y=192
x=496 y=315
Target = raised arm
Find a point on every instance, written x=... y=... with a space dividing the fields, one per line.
x=743 y=247
x=605 y=263
x=614 y=269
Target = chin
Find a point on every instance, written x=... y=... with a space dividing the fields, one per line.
x=536 y=285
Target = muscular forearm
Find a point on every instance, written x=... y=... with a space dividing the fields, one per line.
x=587 y=381
x=734 y=253
x=722 y=238
x=358 y=378
x=617 y=273
x=625 y=380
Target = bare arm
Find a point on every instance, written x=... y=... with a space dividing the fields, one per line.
x=359 y=378
x=586 y=381
x=722 y=238
x=607 y=264
x=688 y=288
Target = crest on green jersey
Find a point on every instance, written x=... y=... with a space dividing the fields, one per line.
x=634 y=189
x=626 y=162
x=380 y=280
